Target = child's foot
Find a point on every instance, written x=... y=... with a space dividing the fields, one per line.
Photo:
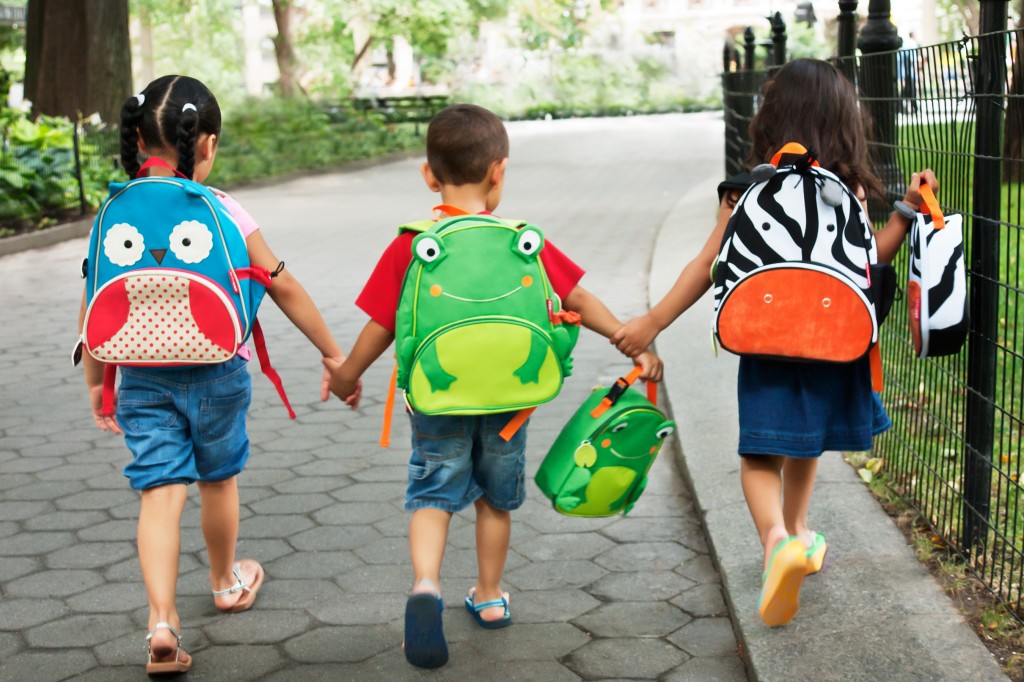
x=248 y=575
x=489 y=614
x=780 y=591
x=425 y=645
x=166 y=657
x=816 y=548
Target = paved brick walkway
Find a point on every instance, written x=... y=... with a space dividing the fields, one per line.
x=634 y=597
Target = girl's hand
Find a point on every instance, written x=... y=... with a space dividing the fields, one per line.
x=348 y=390
x=103 y=421
x=651 y=364
x=913 y=193
x=634 y=337
x=325 y=382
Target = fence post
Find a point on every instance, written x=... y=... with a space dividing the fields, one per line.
x=848 y=38
x=78 y=168
x=749 y=49
x=778 y=40
x=726 y=58
x=989 y=89
x=878 y=42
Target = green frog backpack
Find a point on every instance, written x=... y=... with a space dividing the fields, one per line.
x=478 y=328
x=598 y=464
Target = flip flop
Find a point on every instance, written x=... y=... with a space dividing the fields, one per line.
x=475 y=609
x=780 y=593
x=162 y=667
x=424 y=645
x=816 y=554
x=248 y=590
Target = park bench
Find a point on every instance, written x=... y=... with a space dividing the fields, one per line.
x=403 y=109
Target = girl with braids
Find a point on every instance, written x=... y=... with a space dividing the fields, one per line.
x=791 y=412
x=175 y=122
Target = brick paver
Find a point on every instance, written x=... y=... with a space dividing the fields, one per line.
x=634 y=597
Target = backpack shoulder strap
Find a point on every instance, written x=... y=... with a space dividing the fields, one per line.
x=417 y=226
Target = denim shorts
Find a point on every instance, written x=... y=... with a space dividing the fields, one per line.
x=458 y=459
x=184 y=424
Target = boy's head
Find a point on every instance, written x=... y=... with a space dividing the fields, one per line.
x=464 y=142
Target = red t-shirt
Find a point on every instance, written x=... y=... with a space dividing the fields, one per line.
x=379 y=297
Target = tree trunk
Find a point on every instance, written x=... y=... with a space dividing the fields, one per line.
x=69 y=70
x=283 y=47
x=1013 y=132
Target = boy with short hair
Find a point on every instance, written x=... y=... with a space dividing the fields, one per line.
x=458 y=460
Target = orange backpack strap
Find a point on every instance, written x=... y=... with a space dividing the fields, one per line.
x=389 y=407
x=261 y=352
x=790 y=148
x=875 y=356
x=652 y=392
x=617 y=389
x=516 y=423
x=931 y=206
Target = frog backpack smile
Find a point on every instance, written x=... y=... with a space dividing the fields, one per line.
x=479 y=329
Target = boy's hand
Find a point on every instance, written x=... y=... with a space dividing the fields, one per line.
x=325 y=382
x=349 y=390
x=103 y=421
x=651 y=364
x=634 y=337
x=913 y=193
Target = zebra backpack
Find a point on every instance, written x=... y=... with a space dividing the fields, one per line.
x=168 y=281
x=937 y=286
x=797 y=275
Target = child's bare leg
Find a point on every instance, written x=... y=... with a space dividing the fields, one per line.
x=428 y=535
x=493 y=534
x=797 y=485
x=159 y=545
x=761 y=477
x=218 y=518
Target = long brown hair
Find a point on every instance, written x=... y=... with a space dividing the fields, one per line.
x=811 y=102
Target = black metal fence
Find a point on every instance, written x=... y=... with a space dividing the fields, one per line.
x=52 y=170
x=954 y=453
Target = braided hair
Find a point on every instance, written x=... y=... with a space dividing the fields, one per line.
x=169 y=114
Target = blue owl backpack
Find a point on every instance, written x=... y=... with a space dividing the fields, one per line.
x=169 y=282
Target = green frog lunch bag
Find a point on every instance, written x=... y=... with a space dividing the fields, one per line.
x=598 y=464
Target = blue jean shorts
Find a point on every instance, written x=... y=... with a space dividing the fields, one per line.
x=458 y=459
x=184 y=424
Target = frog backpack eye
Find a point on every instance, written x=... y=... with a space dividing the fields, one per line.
x=428 y=250
x=528 y=243
x=619 y=427
x=665 y=430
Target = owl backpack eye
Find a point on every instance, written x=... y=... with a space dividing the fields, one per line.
x=191 y=241
x=123 y=245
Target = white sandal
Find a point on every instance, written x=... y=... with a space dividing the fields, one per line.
x=249 y=590
x=175 y=667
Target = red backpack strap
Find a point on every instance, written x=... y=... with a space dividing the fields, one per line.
x=157 y=161
x=261 y=352
x=109 y=373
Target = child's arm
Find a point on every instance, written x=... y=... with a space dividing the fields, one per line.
x=295 y=303
x=93 y=371
x=595 y=316
x=890 y=238
x=372 y=342
x=692 y=283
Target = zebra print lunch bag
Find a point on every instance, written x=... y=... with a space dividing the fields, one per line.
x=937 y=286
x=797 y=275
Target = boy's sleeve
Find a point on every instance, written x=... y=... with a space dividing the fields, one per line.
x=563 y=273
x=379 y=297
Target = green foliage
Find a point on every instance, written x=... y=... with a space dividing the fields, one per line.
x=36 y=167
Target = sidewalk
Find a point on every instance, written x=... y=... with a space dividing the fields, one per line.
x=874 y=612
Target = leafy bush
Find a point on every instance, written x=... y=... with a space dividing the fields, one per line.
x=37 y=167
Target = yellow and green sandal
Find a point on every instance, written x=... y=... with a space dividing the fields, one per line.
x=780 y=591
x=816 y=554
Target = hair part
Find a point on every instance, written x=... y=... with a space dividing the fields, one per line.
x=162 y=123
x=463 y=142
x=811 y=102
